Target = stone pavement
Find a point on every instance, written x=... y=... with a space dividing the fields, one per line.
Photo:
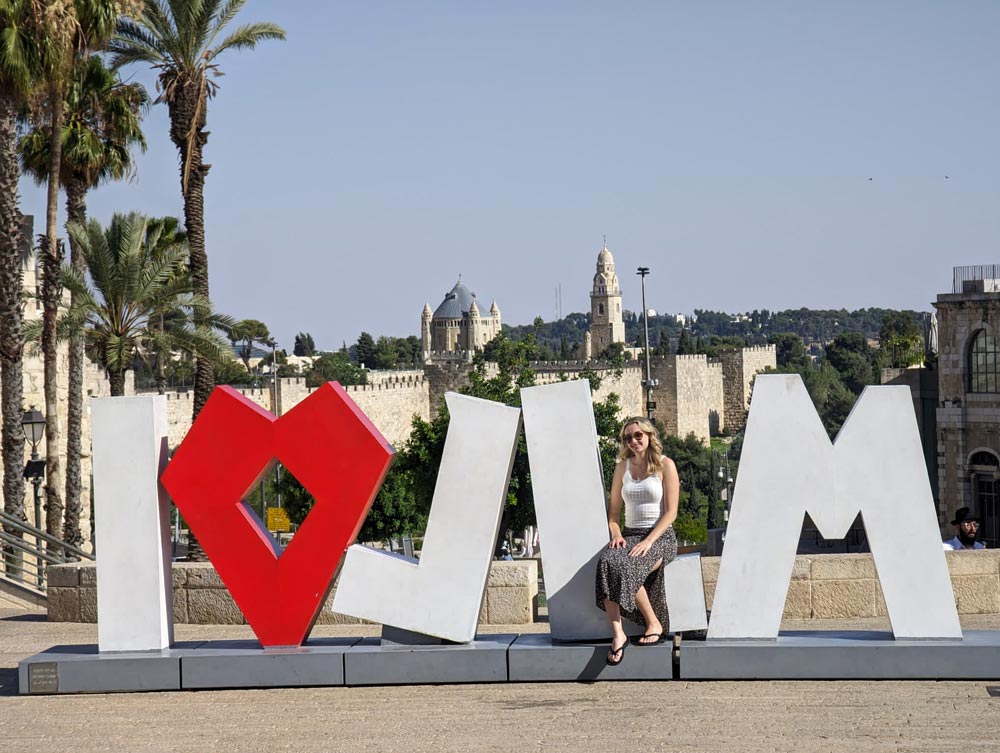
x=748 y=717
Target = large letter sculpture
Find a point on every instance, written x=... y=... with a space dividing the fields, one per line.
x=788 y=468
x=333 y=450
x=572 y=514
x=132 y=524
x=442 y=595
x=570 y=507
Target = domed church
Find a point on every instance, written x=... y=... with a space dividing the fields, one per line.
x=456 y=329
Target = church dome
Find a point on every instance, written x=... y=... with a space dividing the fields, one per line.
x=456 y=302
x=605 y=256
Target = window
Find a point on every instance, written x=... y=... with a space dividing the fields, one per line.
x=984 y=459
x=985 y=470
x=983 y=363
x=600 y=308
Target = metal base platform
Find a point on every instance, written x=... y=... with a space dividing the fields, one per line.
x=854 y=655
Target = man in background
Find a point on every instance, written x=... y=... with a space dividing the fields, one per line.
x=966 y=529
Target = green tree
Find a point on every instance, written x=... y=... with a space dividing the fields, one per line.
x=365 y=351
x=685 y=345
x=101 y=124
x=900 y=341
x=852 y=357
x=386 y=356
x=247 y=334
x=790 y=351
x=64 y=32
x=182 y=40
x=304 y=345
x=119 y=311
x=335 y=367
x=19 y=69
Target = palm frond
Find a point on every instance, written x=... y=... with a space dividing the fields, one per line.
x=248 y=36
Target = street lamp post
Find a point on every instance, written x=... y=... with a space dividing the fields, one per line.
x=724 y=474
x=648 y=383
x=33 y=426
x=274 y=386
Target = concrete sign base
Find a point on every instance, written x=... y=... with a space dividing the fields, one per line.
x=481 y=660
x=537 y=658
x=848 y=655
x=812 y=655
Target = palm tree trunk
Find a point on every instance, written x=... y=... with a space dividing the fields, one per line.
x=187 y=110
x=51 y=294
x=76 y=211
x=117 y=379
x=11 y=335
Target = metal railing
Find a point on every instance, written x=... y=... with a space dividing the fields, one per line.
x=28 y=551
x=982 y=278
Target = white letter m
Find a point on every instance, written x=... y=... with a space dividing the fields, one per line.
x=875 y=467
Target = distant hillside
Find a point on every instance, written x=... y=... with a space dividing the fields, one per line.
x=562 y=338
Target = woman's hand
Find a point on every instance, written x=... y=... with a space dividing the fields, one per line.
x=617 y=541
x=639 y=549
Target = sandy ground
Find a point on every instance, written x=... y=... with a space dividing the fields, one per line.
x=677 y=716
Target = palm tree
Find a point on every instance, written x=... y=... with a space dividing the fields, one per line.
x=135 y=284
x=101 y=126
x=18 y=69
x=62 y=32
x=182 y=40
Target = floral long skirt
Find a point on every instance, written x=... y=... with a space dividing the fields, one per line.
x=620 y=576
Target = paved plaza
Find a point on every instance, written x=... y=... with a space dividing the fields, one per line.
x=673 y=716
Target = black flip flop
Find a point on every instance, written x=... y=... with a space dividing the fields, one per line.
x=660 y=638
x=619 y=652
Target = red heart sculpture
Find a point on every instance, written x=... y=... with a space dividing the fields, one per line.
x=334 y=451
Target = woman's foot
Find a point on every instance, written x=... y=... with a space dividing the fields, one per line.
x=653 y=636
x=615 y=655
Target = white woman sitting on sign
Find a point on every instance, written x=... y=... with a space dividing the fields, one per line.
x=630 y=571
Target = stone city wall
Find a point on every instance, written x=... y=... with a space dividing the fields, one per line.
x=390 y=402
x=628 y=386
x=693 y=396
x=716 y=399
x=200 y=597
x=738 y=370
x=664 y=371
x=834 y=586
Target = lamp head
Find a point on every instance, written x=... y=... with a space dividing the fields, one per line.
x=33 y=425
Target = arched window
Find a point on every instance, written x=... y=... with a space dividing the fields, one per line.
x=984 y=472
x=983 y=363
x=984 y=459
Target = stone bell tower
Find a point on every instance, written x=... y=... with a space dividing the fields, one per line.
x=607 y=325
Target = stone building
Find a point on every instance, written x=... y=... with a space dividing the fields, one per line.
x=607 y=324
x=457 y=328
x=968 y=415
x=706 y=397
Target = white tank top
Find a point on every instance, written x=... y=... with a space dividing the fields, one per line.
x=642 y=499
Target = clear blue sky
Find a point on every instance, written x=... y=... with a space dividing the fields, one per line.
x=753 y=155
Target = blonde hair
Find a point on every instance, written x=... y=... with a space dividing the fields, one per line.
x=654 y=452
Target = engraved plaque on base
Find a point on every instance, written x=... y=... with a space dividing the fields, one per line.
x=43 y=677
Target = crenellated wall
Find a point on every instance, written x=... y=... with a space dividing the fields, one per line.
x=739 y=367
x=690 y=397
x=390 y=401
